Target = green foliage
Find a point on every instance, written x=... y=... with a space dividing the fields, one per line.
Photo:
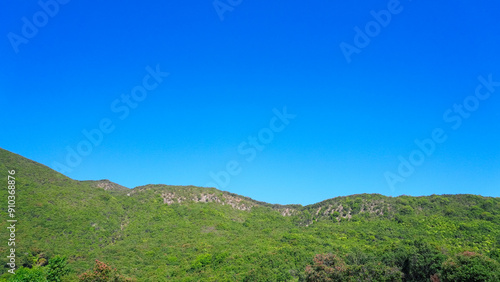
x=417 y=260
x=201 y=261
x=24 y=274
x=172 y=260
x=406 y=210
x=54 y=270
x=470 y=267
x=374 y=271
x=57 y=268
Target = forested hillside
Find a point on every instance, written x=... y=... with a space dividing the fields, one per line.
x=173 y=233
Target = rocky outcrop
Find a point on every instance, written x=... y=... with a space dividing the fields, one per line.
x=107 y=185
x=287 y=211
x=223 y=199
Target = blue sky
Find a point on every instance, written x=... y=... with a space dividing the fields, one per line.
x=231 y=66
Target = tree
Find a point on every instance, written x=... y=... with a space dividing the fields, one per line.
x=470 y=267
x=366 y=267
x=422 y=262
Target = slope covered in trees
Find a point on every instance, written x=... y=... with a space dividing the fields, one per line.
x=160 y=233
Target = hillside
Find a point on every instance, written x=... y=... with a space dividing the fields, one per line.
x=187 y=233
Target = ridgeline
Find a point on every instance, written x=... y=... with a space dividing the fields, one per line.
x=187 y=233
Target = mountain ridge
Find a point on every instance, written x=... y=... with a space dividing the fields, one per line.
x=107 y=184
x=187 y=233
x=188 y=193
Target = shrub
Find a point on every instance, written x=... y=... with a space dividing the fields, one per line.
x=327 y=267
x=57 y=268
x=24 y=274
x=201 y=261
x=102 y=272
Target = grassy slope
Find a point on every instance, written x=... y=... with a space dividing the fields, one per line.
x=144 y=238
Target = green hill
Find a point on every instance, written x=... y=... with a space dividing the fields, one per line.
x=187 y=233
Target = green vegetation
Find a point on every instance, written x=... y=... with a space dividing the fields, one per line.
x=38 y=269
x=468 y=266
x=172 y=233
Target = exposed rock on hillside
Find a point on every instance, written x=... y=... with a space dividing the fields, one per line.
x=224 y=199
x=107 y=185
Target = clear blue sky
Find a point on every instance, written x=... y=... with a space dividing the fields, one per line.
x=65 y=65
